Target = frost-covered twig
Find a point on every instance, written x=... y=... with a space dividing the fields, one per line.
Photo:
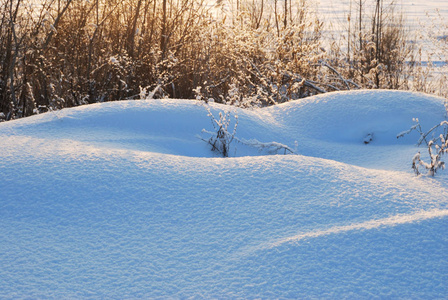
x=423 y=136
x=272 y=147
x=403 y=133
x=323 y=63
x=419 y=129
x=145 y=95
x=437 y=147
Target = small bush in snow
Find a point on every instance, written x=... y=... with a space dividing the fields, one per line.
x=437 y=147
x=220 y=139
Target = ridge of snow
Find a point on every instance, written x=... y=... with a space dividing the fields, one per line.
x=371 y=224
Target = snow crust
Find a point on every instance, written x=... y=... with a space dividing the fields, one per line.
x=125 y=200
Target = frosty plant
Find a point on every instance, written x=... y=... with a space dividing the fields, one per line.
x=221 y=138
x=437 y=146
x=272 y=147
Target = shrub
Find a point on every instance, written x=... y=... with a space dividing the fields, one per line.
x=437 y=147
x=220 y=139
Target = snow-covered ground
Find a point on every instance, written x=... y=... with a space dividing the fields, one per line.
x=417 y=12
x=125 y=200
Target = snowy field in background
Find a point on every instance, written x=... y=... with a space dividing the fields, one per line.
x=124 y=200
x=415 y=11
x=420 y=16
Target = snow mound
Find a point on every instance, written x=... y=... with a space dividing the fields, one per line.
x=123 y=200
x=335 y=126
x=349 y=117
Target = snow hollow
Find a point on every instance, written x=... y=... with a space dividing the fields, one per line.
x=126 y=200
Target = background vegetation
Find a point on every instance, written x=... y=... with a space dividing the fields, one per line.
x=64 y=53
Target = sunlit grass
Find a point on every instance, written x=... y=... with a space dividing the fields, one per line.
x=69 y=53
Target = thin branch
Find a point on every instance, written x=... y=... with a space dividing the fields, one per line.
x=55 y=25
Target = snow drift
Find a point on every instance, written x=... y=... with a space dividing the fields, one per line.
x=124 y=200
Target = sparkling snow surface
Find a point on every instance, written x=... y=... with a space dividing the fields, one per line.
x=124 y=200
